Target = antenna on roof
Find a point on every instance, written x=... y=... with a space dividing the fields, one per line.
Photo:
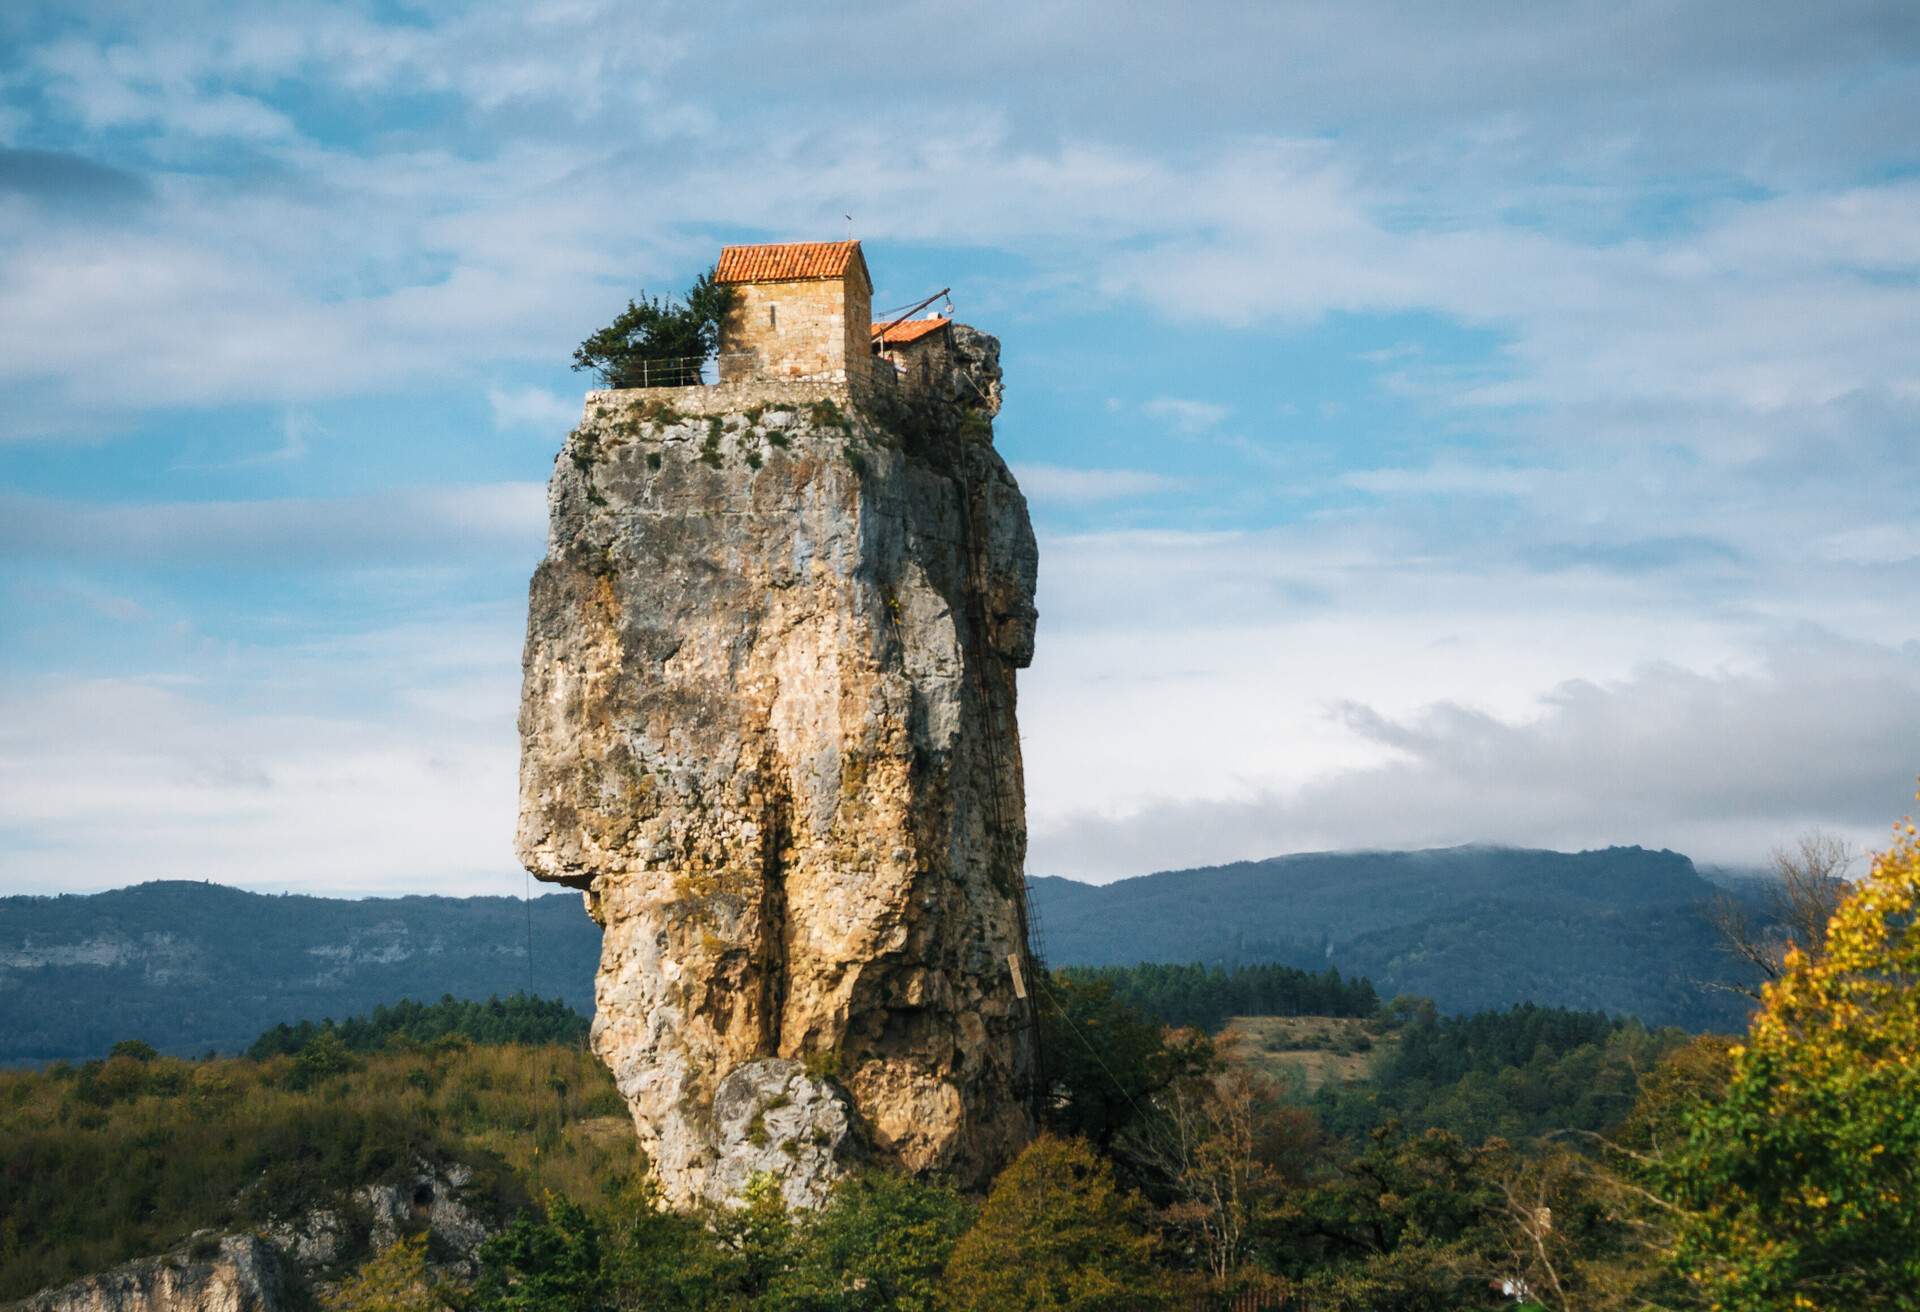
x=849 y=227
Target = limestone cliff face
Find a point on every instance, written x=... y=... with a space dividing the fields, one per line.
x=235 y=1273
x=768 y=727
x=290 y=1261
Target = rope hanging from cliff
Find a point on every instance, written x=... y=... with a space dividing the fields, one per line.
x=527 y=897
x=1093 y=1052
x=974 y=383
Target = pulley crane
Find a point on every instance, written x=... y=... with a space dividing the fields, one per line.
x=880 y=333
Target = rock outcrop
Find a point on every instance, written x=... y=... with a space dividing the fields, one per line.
x=768 y=728
x=232 y=1273
x=288 y=1261
x=377 y=1216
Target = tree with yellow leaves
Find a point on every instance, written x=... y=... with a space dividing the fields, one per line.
x=1801 y=1187
x=396 y=1280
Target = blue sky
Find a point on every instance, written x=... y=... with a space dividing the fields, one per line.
x=1443 y=423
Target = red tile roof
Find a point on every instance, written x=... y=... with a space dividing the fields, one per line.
x=911 y=330
x=788 y=261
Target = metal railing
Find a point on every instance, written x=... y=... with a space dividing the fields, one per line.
x=731 y=367
x=684 y=371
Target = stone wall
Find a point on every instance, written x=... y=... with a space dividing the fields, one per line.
x=723 y=398
x=728 y=398
x=813 y=329
x=921 y=367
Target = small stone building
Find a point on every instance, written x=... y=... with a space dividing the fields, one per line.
x=920 y=350
x=803 y=312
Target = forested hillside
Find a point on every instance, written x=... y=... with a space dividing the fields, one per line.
x=1621 y=930
x=1204 y=997
x=518 y=1019
x=117 y=1159
x=111 y=1160
x=1581 y=1160
x=1518 y=1073
x=189 y=967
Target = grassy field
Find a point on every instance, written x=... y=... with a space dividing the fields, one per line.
x=1304 y=1052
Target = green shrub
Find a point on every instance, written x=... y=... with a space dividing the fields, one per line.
x=656 y=341
x=881 y=1244
x=827 y=414
x=455 y=1021
x=1057 y=1235
x=322 y=1055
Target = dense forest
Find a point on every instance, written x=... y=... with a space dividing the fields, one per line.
x=1205 y=996
x=1622 y=930
x=517 y=1019
x=1514 y=1074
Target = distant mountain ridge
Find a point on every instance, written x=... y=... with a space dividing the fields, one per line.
x=192 y=966
x=1621 y=929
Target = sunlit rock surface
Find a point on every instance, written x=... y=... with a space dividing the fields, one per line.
x=768 y=726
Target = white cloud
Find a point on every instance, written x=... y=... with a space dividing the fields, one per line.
x=1186 y=414
x=297 y=428
x=1692 y=431
x=1445 y=476
x=360 y=268
x=1221 y=669
x=179 y=71
x=120 y=86
x=1060 y=485
x=531 y=407
x=1765 y=304
x=1722 y=765
x=105 y=782
x=421 y=524
x=1877 y=544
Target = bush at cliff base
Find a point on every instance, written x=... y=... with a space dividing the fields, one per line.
x=1056 y=1235
x=878 y=1246
x=1801 y=1189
